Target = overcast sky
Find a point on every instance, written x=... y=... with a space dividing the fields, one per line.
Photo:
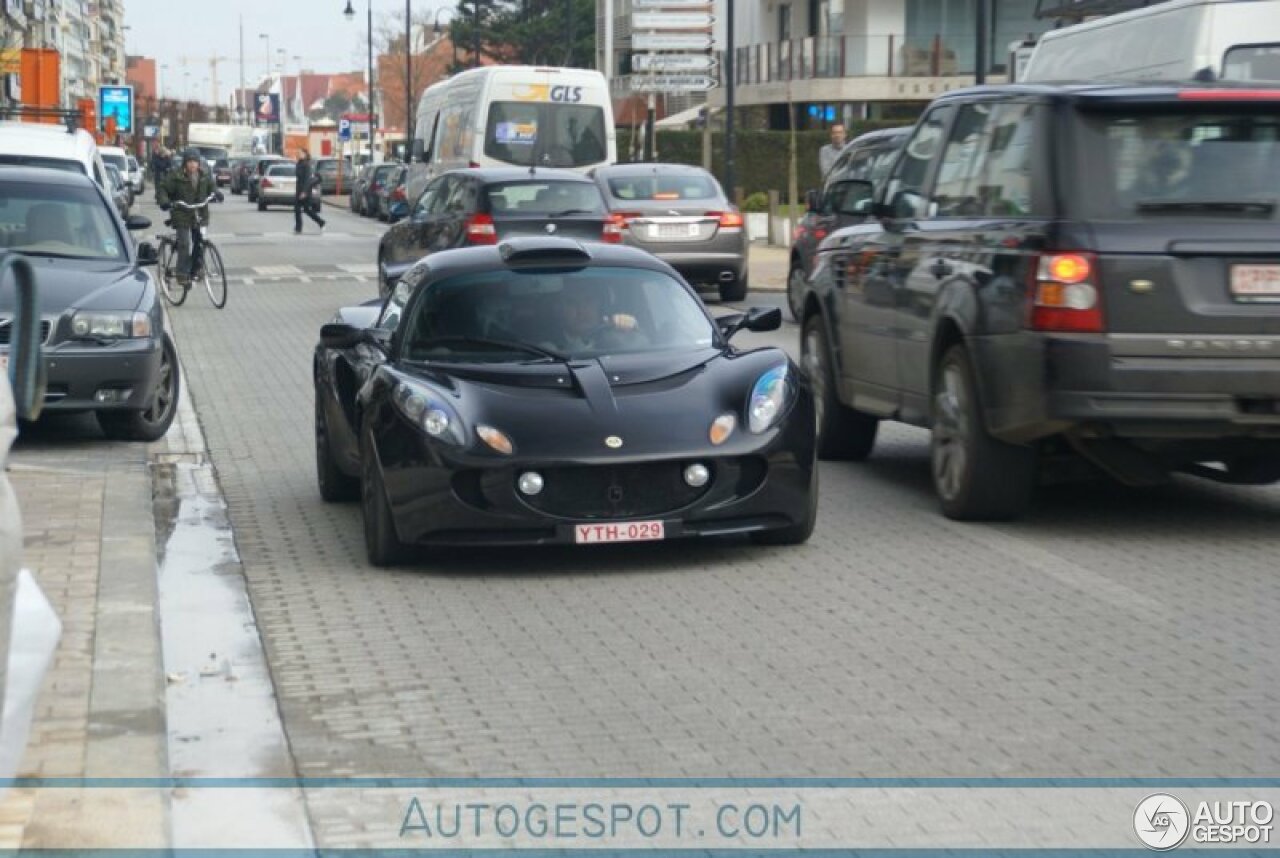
x=314 y=30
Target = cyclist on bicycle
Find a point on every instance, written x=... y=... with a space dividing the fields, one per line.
x=190 y=185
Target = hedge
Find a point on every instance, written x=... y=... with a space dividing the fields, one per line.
x=760 y=159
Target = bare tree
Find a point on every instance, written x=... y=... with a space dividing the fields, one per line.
x=398 y=92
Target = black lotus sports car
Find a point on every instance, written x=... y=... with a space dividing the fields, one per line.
x=545 y=390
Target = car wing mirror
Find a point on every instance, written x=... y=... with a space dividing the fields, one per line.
x=26 y=363
x=398 y=211
x=147 y=252
x=761 y=319
x=338 y=335
x=137 y=222
x=854 y=197
x=813 y=200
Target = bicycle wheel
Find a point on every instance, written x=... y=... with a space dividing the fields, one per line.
x=215 y=278
x=169 y=285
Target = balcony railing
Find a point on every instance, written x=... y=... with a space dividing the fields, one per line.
x=892 y=55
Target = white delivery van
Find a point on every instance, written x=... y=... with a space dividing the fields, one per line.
x=1237 y=40
x=522 y=116
x=215 y=141
x=32 y=144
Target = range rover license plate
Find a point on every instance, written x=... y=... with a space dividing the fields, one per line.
x=1255 y=282
x=623 y=531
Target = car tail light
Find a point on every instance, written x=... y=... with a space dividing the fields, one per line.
x=728 y=220
x=613 y=228
x=473 y=164
x=398 y=194
x=266 y=183
x=480 y=230
x=623 y=219
x=1065 y=294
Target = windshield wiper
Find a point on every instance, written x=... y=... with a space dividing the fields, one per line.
x=568 y=212
x=485 y=341
x=1259 y=206
x=53 y=254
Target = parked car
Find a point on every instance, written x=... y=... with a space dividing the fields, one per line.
x=355 y=198
x=118 y=158
x=120 y=193
x=30 y=627
x=105 y=346
x=482 y=206
x=374 y=187
x=547 y=390
x=392 y=201
x=681 y=215
x=1087 y=269
x=222 y=172
x=241 y=169
x=259 y=167
x=278 y=185
x=137 y=179
x=32 y=144
x=327 y=170
x=867 y=158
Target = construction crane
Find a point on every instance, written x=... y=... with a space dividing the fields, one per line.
x=213 y=71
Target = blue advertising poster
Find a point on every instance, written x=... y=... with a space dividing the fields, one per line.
x=116 y=101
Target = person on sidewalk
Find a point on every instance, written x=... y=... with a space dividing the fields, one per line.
x=190 y=185
x=302 y=202
x=827 y=154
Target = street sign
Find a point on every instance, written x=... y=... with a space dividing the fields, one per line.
x=150 y=132
x=668 y=4
x=672 y=83
x=344 y=129
x=673 y=62
x=671 y=20
x=671 y=41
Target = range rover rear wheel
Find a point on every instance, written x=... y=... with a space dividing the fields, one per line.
x=977 y=477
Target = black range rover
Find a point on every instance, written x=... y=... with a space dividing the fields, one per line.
x=1086 y=270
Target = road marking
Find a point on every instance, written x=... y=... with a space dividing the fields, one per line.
x=277 y=270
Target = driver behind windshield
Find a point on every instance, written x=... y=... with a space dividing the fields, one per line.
x=584 y=324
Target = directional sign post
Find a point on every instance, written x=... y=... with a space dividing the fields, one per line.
x=673 y=62
x=673 y=83
x=671 y=20
x=670 y=4
x=671 y=41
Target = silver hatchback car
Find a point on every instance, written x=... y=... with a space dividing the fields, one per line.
x=682 y=216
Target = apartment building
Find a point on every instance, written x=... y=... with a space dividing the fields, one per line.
x=840 y=60
x=88 y=36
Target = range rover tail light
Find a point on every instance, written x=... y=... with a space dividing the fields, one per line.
x=1065 y=295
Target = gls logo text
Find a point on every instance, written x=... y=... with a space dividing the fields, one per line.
x=566 y=94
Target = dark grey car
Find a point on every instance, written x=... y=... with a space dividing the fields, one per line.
x=680 y=214
x=105 y=349
x=1062 y=276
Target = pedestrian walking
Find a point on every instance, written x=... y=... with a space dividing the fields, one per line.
x=827 y=154
x=302 y=202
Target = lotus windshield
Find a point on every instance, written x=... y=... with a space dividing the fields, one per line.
x=545 y=315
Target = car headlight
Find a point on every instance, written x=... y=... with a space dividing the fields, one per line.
x=769 y=398
x=96 y=325
x=429 y=412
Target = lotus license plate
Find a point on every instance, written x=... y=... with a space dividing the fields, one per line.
x=1255 y=282
x=626 y=531
x=673 y=230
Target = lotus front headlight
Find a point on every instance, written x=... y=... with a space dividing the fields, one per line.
x=429 y=413
x=770 y=398
x=100 y=326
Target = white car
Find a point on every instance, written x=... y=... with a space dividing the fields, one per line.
x=29 y=144
x=29 y=629
x=118 y=158
x=136 y=177
x=278 y=186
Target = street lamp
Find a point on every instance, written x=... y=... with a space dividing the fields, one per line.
x=268 y=40
x=350 y=15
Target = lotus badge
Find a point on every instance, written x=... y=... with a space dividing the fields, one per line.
x=613 y=442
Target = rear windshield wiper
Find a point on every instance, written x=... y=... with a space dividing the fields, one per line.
x=1259 y=206
x=568 y=212
x=485 y=341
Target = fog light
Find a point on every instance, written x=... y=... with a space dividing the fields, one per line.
x=109 y=395
x=697 y=475
x=530 y=483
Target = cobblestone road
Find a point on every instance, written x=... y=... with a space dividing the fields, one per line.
x=1113 y=632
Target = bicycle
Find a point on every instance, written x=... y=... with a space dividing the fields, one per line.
x=206 y=261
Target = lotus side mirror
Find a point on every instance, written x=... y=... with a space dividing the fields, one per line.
x=761 y=319
x=337 y=335
x=137 y=222
x=147 y=253
x=218 y=197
